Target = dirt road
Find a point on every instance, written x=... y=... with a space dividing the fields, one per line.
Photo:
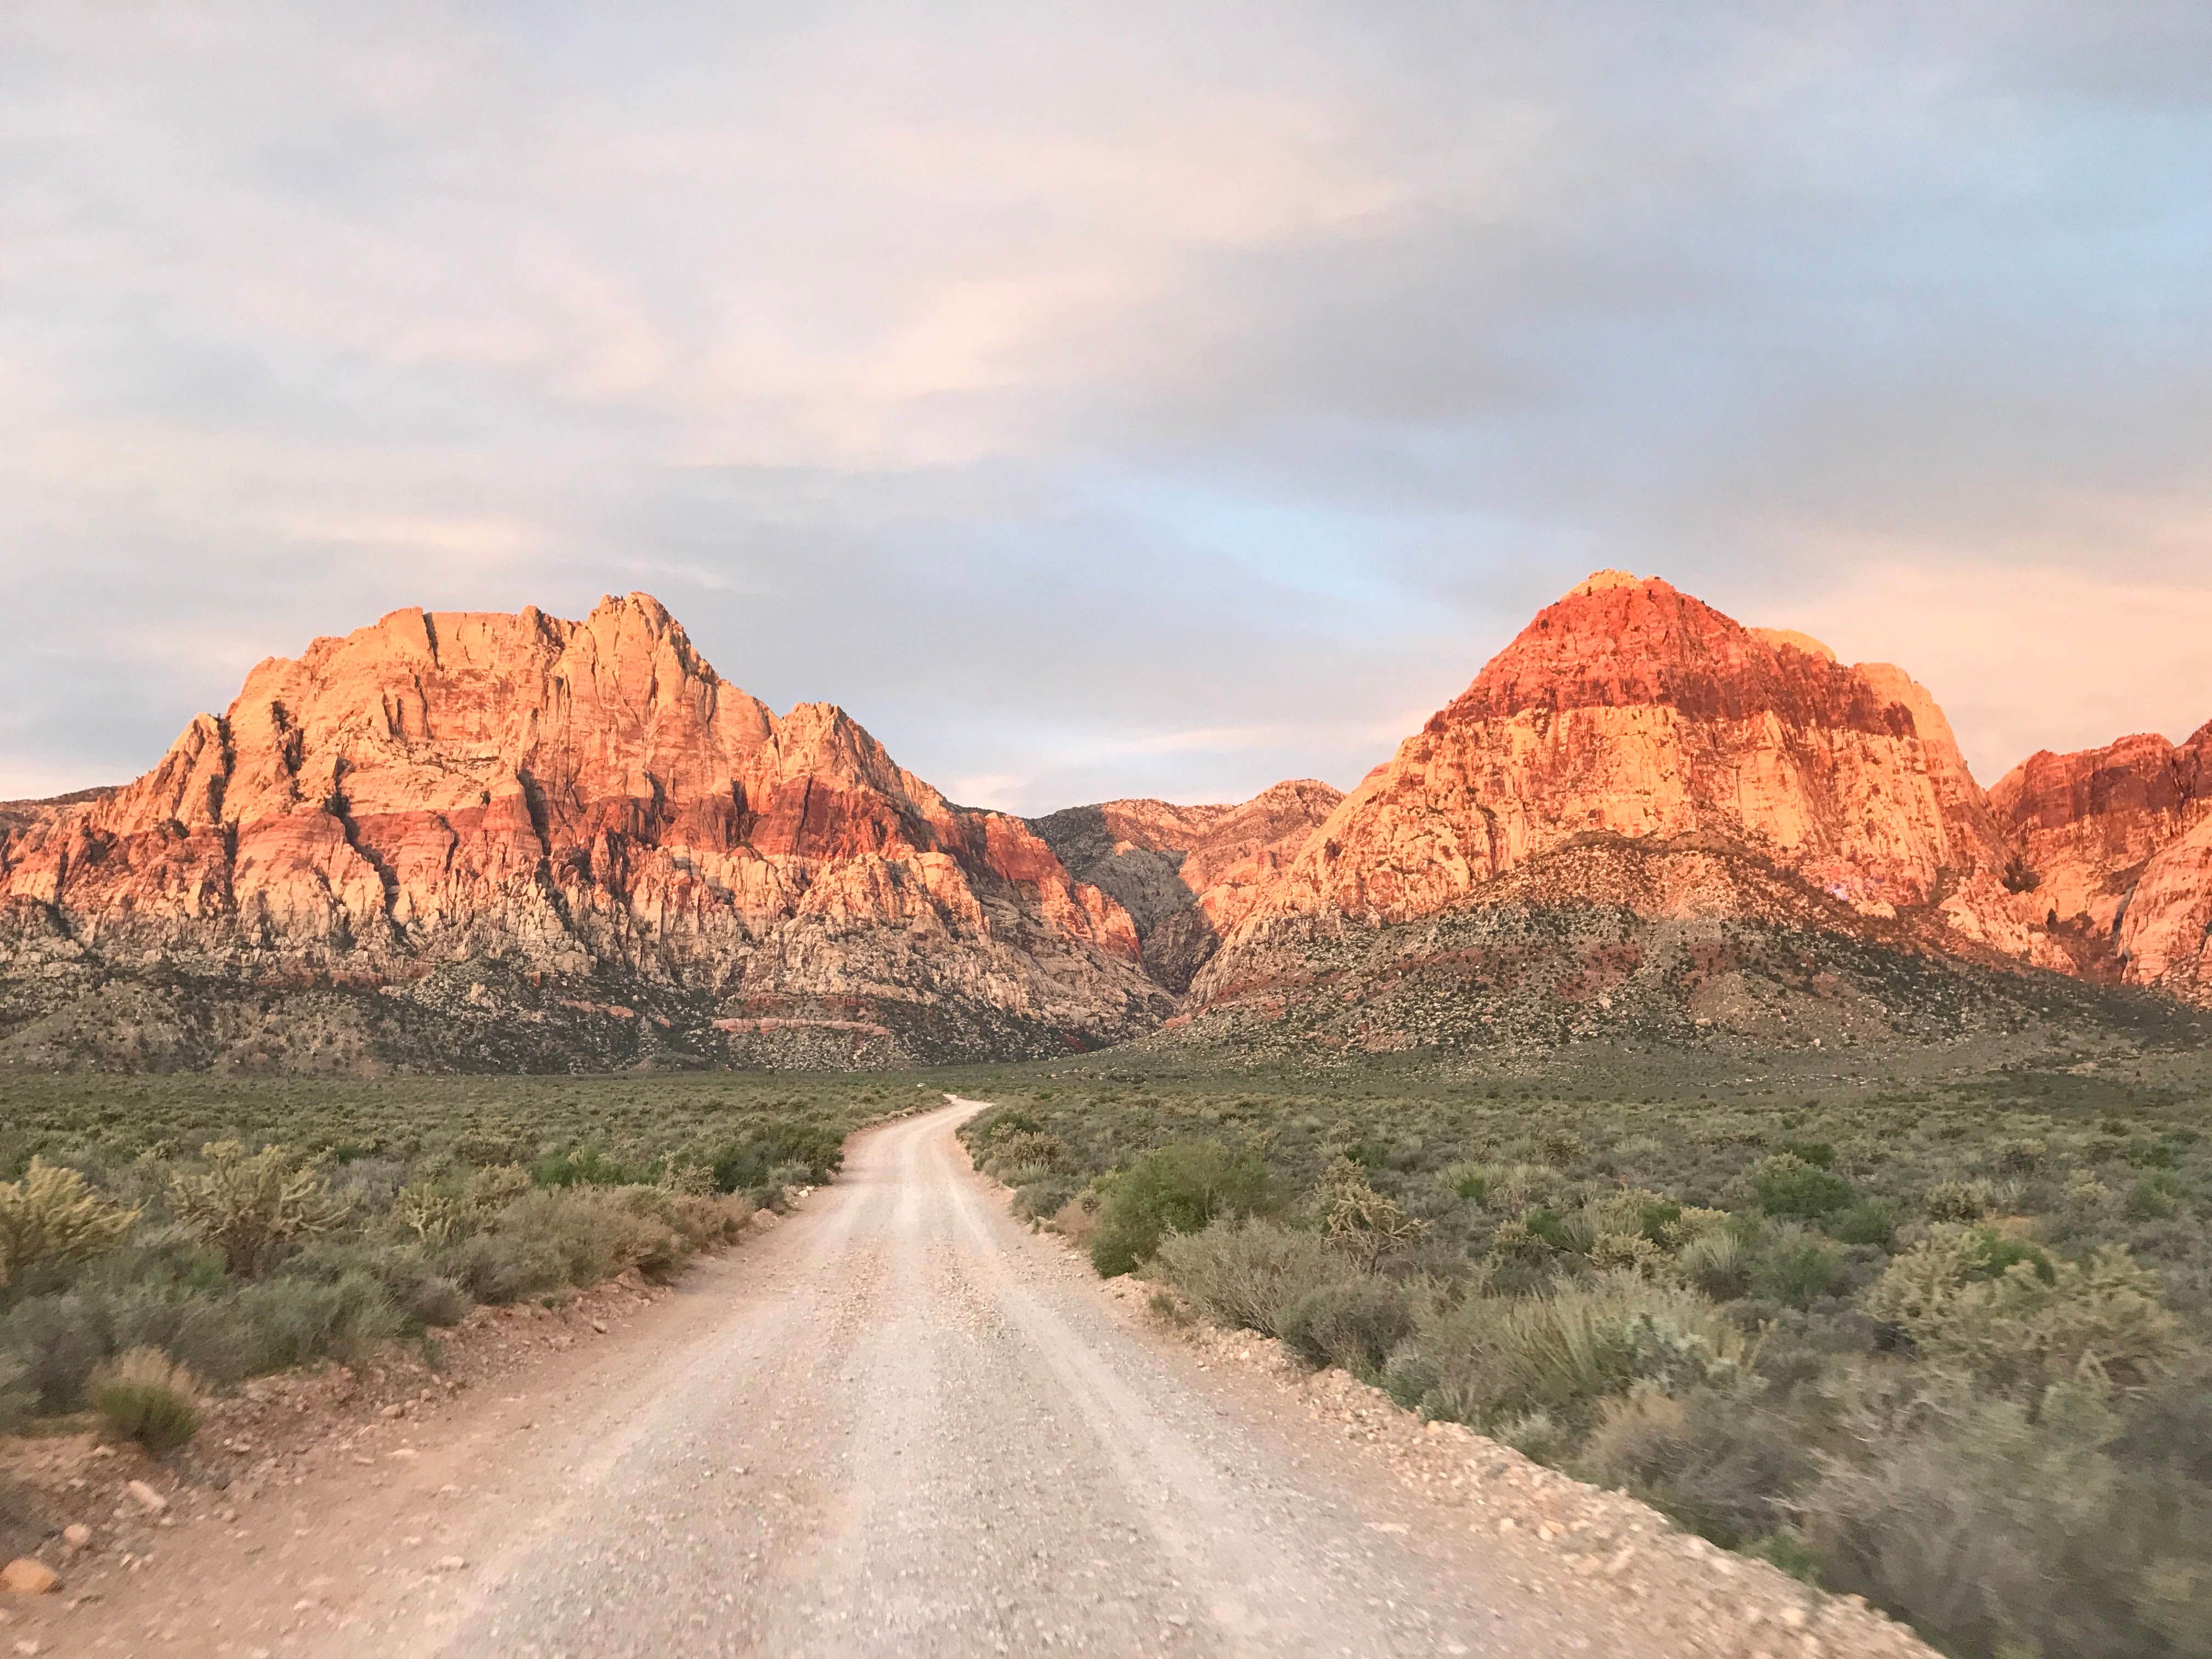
x=900 y=1425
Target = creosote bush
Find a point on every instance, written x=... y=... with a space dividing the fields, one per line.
x=1183 y=1187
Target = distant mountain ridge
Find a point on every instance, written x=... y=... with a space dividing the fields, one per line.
x=1187 y=874
x=483 y=839
x=1697 y=771
x=580 y=801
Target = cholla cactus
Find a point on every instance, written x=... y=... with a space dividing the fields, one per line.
x=433 y=1216
x=245 y=1206
x=51 y=1215
x=686 y=1179
x=1362 y=1220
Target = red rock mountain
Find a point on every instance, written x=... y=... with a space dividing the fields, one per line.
x=2119 y=840
x=1187 y=874
x=1630 y=712
x=576 y=800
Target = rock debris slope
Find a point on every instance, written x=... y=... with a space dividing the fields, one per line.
x=580 y=802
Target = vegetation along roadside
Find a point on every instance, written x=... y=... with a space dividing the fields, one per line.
x=163 y=1239
x=1942 y=1341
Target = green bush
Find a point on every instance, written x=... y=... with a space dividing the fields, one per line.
x=144 y=1396
x=2157 y=1196
x=284 y=1321
x=1870 y=1221
x=1998 y=1528
x=1788 y=1185
x=586 y=1166
x=747 y=1163
x=1793 y=1268
x=1183 y=1187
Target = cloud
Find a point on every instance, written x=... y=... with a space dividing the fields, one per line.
x=1105 y=400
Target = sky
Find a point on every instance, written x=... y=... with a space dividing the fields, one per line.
x=1106 y=400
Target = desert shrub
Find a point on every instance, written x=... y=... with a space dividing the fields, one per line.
x=1028 y=1149
x=51 y=1215
x=248 y=1206
x=764 y=1155
x=1717 y=1462
x=1180 y=1187
x=1038 y=1196
x=1246 y=1273
x=1792 y=1267
x=144 y=1396
x=2157 y=1196
x=282 y=1322
x=1870 y=1221
x=423 y=1293
x=1490 y=1358
x=1466 y=1180
x=555 y=1238
x=1961 y=1200
x=1987 y=1522
x=1819 y=1153
x=1353 y=1323
x=586 y=1166
x=1787 y=1185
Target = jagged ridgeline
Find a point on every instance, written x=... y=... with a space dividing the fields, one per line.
x=500 y=839
x=493 y=841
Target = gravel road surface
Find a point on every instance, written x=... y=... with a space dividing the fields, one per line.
x=899 y=1425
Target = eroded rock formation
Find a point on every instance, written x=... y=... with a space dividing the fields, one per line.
x=1631 y=712
x=2117 y=844
x=1187 y=874
x=579 y=799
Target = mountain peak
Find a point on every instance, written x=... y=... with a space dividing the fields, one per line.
x=584 y=798
x=1600 y=581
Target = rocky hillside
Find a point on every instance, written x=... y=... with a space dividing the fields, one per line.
x=2117 y=841
x=1187 y=874
x=1631 y=717
x=570 y=817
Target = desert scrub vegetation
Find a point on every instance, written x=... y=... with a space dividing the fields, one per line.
x=163 y=1237
x=1944 y=1341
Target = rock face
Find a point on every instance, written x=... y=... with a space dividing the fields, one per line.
x=2119 y=841
x=1630 y=714
x=1187 y=874
x=579 y=800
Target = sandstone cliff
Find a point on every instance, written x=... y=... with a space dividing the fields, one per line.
x=2118 y=842
x=1187 y=874
x=583 y=800
x=1630 y=712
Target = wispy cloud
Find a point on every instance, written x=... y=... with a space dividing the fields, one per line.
x=1106 y=400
